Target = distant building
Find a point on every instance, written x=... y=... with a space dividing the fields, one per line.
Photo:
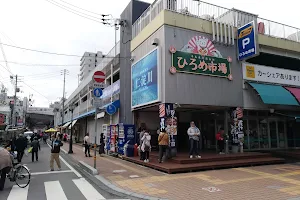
x=88 y=62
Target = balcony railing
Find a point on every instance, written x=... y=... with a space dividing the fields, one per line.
x=207 y=11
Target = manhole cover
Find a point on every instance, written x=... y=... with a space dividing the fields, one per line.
x=211 y=189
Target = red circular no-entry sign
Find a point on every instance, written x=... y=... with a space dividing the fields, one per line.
x=99 y=76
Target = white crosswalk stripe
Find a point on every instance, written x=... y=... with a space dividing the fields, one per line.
x=55 y=191
x=18 y=193
x=88 y=191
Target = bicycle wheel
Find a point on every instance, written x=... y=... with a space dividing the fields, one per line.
x=22 y=176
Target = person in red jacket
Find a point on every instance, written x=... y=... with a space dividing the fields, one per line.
x=220 y=140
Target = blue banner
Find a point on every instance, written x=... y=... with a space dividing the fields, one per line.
x=144 y=80
x=111 y=90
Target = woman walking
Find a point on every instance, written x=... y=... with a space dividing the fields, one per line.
x=146 y=145
x=163 y=142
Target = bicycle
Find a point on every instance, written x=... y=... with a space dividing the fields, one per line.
x=16 y=175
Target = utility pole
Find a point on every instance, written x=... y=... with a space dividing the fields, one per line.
x=14 y=117
x=64 y=72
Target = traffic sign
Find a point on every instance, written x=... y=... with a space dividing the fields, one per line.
x=247 y=44
x=99 y=76
x=111 y=109
x=99 y=85
x=98 y=92
x=98 y=103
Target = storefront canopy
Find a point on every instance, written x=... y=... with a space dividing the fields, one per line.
x=73 y=123
x=66 y=124
x=275 y=94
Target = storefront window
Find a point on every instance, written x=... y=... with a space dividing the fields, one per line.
x=281 y=134
x=246 y=133
x=263 y=133
x=273 y=133
x=253 y=134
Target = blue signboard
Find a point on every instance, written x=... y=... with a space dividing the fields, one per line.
x=144 y=80
x=246 y=39
x=111 y=90
x=98 y=92
x=111 y=109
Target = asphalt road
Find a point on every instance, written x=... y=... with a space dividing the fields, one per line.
x=67 y=184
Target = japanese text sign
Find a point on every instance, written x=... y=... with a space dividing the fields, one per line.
x=270 y=74
x=246 y=41
x=198 y=64
x=144 y=80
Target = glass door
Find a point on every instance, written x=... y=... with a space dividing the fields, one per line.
x=263 y=133
x=253 y=134
x=273 y=133
x=281 y=134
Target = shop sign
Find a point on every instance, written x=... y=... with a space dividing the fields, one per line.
x=270 y=74
x=145 y=80
x=197 y=64
x=168 y=121
x=237 y=127
x=246 y=41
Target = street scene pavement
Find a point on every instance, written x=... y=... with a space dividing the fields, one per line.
x=67 y=184
x=276 y=182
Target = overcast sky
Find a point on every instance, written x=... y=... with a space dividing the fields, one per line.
x=38 y=24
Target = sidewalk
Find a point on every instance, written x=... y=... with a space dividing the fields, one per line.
x=264 y=182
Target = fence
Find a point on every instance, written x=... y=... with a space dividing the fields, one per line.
x=210 y=12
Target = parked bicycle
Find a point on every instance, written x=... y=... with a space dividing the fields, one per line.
x=19 y=173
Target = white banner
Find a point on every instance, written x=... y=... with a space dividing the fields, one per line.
x=270 y=74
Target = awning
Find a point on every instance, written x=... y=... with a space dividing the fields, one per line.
x=73 y=123
x=66 y=124
x=274 y=94
x=295 y=92
x=85 y=114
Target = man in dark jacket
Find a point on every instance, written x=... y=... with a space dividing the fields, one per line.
x=35 y=149
x=55 y=149
x=21 y=144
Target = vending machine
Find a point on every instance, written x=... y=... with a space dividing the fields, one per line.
x=126 y=138
x=113 y=138
x=106 y=132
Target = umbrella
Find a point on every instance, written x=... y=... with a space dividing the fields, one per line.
x=51 y=130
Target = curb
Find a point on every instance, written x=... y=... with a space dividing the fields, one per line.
x=88 y=168
x=104 y=181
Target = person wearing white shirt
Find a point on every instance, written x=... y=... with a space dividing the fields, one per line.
x=194 y=136
x=87 y=144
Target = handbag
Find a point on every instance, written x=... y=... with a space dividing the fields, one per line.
x=30 y=149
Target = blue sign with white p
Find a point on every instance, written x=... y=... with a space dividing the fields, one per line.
x=98 y=92
x=247 y=41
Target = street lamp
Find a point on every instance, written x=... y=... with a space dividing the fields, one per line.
x=71 y=108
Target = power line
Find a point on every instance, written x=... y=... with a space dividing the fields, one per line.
x=36 y=91
x=56 y=4
x=84 y=9
x=53 y=53
x=33 y=64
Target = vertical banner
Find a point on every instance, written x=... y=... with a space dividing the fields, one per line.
x=237 y=129
x=168 y=121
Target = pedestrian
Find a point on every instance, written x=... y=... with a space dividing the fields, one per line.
x=5 y=165
x=102 y=144
x=87 y=145
x=35 y=149
x=163 y=143
x=220 y=140
x=194 y=136
x=21 y=145
x=55 y=149
x=146 y=145
x=45 y=136
x=142 y=154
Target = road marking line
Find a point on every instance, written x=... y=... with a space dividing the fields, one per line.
x=51 y=172
x=54 y=191
x=18 y=193
x=68 y=165
x=88 y=191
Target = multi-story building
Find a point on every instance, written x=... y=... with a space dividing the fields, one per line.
x=88 y=62
x=182 y=62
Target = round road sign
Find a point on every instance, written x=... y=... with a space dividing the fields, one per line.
x=98 y=92
x=111 y=109
x=99 y=76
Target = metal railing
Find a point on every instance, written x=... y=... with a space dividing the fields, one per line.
x=207 y=11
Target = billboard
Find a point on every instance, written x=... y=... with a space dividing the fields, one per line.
x=145 y=80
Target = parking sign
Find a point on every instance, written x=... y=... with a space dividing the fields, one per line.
x=246 y=39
